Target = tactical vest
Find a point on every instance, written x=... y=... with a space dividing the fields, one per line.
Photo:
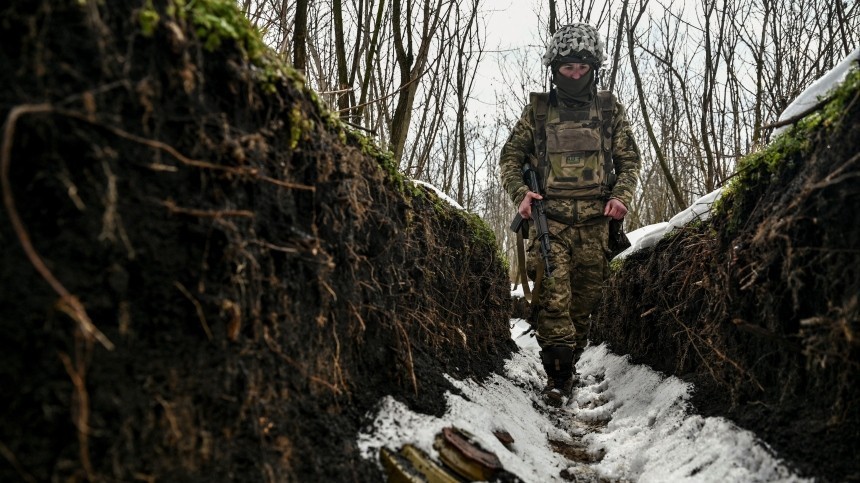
x=574 y=155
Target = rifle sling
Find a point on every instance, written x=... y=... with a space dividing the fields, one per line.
x=532 y=296
x=606 y=105
x=521 y=267
x=538 y=284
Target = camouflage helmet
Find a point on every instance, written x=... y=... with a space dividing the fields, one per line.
x=575 y=42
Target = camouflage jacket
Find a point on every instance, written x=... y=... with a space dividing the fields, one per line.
x=520 y=148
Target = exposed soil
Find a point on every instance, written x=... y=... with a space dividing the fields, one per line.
x=203 y=277
x=759 y=306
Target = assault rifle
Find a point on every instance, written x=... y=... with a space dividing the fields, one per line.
x=538 y=215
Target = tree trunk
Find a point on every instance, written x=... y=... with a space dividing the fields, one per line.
x=300 y=55
x=368 y=61
x=670 y=179
x=411 y=67
x=340 y=54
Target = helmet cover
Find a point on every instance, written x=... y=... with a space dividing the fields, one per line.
x=580 y=41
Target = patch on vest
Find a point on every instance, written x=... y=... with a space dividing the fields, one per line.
x=588 y=174
x=574 y=160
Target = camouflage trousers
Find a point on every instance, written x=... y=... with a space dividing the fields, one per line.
x=566 y=300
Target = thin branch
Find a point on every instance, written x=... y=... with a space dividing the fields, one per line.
x=404 y=86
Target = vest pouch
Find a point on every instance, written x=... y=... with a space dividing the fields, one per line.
x=575 y=161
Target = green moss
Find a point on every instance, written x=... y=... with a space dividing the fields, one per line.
x=215 y=22
x=176 y=9
x=847 y=92
x=331 y=120
x=298 y=125
x=481 y=232
x=759 y=169
x=755 y=173
x=411 y=189
x=148 y=19
x=383 y=157
x=442 y=208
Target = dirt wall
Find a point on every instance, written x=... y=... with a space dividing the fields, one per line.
x=204 y=276
x=758 y=306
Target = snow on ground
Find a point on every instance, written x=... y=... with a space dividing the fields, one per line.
x=439 y=192
x=637 y=418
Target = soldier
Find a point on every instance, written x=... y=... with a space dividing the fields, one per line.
x=582 y=145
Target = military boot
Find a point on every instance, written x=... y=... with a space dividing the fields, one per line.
x=561 y=375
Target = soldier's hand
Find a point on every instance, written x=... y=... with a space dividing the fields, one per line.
x=615 y=209
x=525 y=209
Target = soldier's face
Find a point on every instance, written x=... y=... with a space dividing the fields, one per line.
x=573 y=70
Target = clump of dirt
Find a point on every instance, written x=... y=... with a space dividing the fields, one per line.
x=758 y=306
x=204 y=276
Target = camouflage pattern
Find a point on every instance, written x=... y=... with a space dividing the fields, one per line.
x=576 y=157
x=579 y=241
x=580 y=254
x=520 y=148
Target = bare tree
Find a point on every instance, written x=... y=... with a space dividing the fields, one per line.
x=369 y=57
x=667 y=172
x=468 y=42
x=412 y=62
x=700 y=81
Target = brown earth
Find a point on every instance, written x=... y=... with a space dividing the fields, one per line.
x=203 y=276
x=212 y=280
x=758 y=306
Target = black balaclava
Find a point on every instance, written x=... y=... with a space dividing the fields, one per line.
x=573 y=92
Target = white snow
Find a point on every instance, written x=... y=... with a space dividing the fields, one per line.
x=639 y=419
x=818 y=89
x=648 y=236
x=440 y=193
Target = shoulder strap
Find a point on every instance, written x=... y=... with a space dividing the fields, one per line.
x=540 y=108
x=606 y=105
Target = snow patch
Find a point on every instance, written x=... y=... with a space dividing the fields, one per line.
x=637 y=418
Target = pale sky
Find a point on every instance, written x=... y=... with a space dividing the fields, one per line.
x=512 y=24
